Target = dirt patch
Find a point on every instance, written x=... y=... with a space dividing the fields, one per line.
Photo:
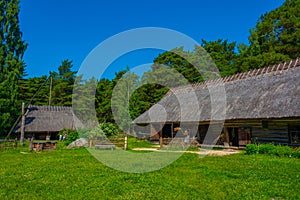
x=223 y=152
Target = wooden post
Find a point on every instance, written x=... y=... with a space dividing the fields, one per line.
x=31 y=144
x=172 y=130
x=50 y=91
x=22 y=125
x=91 y=141
x=160 y=137
x=125 y=142
x=16 y=143
x=226 y=136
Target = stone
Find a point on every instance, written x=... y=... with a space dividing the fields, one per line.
x=81 y=142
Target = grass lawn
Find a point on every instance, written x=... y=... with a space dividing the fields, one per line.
x=76 y=174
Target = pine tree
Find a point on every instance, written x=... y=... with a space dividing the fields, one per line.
x=274 y=39
x=12 y=49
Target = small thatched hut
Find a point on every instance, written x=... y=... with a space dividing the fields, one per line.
x=43 y=121
x=262 y=105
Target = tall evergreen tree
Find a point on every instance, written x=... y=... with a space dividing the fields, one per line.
x=34 y=90
x=274 y=39
x=12 y=48
x=120 y=100
x=223 y=54
x=63 y=82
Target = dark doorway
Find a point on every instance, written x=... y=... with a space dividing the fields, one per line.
x=233 y=136
x=201 y=133
x=167 y=131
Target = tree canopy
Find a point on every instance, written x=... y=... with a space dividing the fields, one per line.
x=12 y=49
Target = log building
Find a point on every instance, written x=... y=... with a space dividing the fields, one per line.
x=262 y=105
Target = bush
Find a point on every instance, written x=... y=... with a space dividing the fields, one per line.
x=251 y=149
x=283 y=151
x=104 y=129
x=109 y=129
x=266 y=148
x=71 y=135
x=271 y=149
x=296 y=153
x=84 y=132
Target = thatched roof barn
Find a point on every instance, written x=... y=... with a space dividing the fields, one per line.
x=266 y=94
x=48 y=120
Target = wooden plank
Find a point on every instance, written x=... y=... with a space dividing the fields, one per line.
x=160 y=137
x=105 y=146
x=22 y=125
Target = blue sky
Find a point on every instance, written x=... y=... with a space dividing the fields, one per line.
x=69 y=29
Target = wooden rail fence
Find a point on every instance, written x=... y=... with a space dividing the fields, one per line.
x=8 y=144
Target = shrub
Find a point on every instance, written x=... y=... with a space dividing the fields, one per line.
x=271 y=149
x=97 y=132
x=84 y=132
x=251 y=149
x=71 y=135
x=266 y=148
x=104 y=129
x=296 y=153
x=109 y=129
x=283 y=151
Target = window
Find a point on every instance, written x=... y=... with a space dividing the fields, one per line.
x=295 y=134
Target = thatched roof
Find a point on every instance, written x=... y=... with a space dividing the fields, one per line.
x=49 y=119
x=270 y=92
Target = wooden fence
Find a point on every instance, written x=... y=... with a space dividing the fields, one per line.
x=8 y=144
x=107 y=143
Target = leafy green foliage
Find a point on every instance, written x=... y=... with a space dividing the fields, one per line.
x=251 y=149
x=84 y=100
x=223 y=54
x=63 y=84
x=36 y=91
x=278 y=30
x=121 y=98
x=283 y=151
x=274 y=39
x=271 y=149
x=296 y=153
x=71 y=135
x=109 y=129
x=12 y=49
x=28 y=90
x=103 y=130
x=266 y=148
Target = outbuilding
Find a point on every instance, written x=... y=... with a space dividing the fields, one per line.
x=47 y=121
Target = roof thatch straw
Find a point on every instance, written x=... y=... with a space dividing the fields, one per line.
x=270 y=92
x=49 y=119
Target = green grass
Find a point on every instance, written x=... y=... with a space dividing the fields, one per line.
x=75 y=174
x=135 y=143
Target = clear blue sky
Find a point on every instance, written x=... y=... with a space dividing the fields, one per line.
x=69 y=29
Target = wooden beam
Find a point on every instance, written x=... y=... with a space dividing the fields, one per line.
x=226 y=135
x=160 y=136
x=172 y=130
x=22 y=125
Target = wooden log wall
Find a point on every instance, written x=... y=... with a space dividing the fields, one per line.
x=266 y=131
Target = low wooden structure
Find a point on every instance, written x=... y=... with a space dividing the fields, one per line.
x=8 y=144
x=40 y=146
x=105 y=146
x=262 y=106
x=106 y=143
x=45 y=122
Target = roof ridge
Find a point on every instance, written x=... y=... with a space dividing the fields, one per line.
x=50 y=108
x=276 y=69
